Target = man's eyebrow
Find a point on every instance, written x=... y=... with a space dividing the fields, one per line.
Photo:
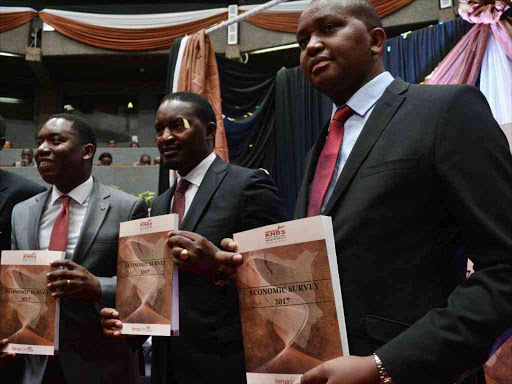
x=316 y=21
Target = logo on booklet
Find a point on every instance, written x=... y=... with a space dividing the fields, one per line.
x=29 y=257
x=276 y=235
x=283 y=381
x=146 y=225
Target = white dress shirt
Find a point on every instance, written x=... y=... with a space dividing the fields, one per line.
x=362 y=103
x=79 y=202
x=195 y=177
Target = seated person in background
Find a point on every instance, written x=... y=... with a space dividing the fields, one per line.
x=156 y=161
x=7 y=144
x=27 y=158
x=145 y=159
x=105 y=159
x=112 y=143
x=134 y=144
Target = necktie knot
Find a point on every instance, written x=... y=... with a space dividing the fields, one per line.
x=65 y=200
x=343 y=114
x=182 y=185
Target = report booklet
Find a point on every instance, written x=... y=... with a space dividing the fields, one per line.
x=147 y=282
x=30 y=315
x=290 y=299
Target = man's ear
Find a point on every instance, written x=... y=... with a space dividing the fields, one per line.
x=88 y=151
x=211 y=129
x=378 y=36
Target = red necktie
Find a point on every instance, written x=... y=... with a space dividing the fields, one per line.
x=178 y=204
x=59 y=237
x=327 y=160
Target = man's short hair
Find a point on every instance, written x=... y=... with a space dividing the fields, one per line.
x=363 y=10
x=105 y=154
x=84 y=130
x=3 y=127
x=202 y=107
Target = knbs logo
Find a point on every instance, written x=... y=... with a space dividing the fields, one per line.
x=29 y=257
x=276 y=235
x=146 y=225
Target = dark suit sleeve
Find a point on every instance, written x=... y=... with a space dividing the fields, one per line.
x=473 y=163
x=260 y=202
x=139 y=210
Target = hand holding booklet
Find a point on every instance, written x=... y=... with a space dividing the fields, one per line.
x=290 y=300
x=147 y=282
x=29 y=314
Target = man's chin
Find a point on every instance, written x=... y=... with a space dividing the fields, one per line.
x=49 y=177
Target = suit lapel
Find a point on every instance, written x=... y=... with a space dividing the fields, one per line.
x=309 y=173
x=3 y=200
x=162 y=206
x=97 y=210
x=209 y=185
x=382 y=114
x=34 y=217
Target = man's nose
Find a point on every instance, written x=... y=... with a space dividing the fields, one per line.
x=315 y=45
x=167 y=134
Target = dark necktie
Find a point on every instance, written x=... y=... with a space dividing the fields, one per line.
x=178 y=204
x=327 y=160
x=59 y=237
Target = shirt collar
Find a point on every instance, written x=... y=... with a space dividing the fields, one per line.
x=78 y=194
x=366 y=97
x=196 y=175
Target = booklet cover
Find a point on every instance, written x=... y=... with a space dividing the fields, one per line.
x=30 y=315
x=147 y=282
x=290 y=299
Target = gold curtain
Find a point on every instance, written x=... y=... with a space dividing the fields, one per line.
x=199 y=74
x=13 y=20
x=288 y=22
x=126 y=39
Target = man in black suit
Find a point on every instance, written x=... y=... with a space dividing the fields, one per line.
x=220 y=199
x=13 y=189
x=417 y=172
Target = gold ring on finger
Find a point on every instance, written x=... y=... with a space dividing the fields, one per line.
x=184 y=254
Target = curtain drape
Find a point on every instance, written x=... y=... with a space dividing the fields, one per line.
x=199 y=74
x=13 y=17
x=496 y=81
x=252 y=141
x=140 y=21
x=242 y=86
x=415 y=56
x=126 y=39
x=462 y=65
x=285 y=17
x=158 y=31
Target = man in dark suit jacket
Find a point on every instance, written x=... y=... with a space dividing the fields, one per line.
x=85 y=281
x=13 y=189
x=225 y=199
x=421 y=171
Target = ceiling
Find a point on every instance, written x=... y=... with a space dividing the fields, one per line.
x=128 y=7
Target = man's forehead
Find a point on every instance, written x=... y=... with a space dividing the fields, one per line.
x=58 y=125
x=176 y=107
x=318 y=10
